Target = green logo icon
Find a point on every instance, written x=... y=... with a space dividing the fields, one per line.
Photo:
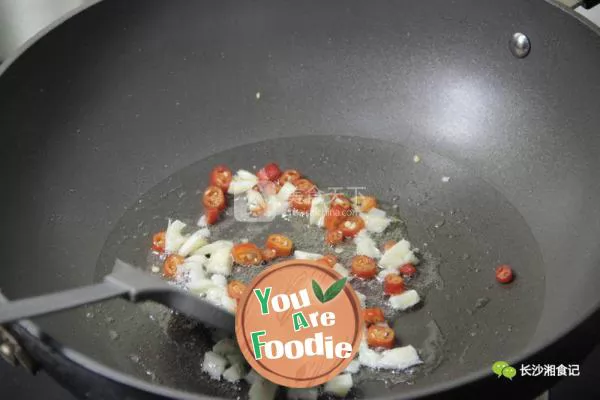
x=498 y=367
x=330 y=293
x=502 y=368
x=509 y=372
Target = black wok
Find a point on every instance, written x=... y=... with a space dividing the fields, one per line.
x=112 y=120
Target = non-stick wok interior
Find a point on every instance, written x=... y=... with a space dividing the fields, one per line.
x=138 y=100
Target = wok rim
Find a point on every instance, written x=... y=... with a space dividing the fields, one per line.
x=112 y=374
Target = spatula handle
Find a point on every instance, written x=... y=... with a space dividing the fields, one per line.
x=50 y=303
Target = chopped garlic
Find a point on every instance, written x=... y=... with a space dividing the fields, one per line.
x=242 y=182
x=385 y=272
x=173 y=236
x=236 y=358
x=340 y=269
x=228 y=304
x=339 y=386
x=262 y=389
x=286 y=191
x=201 y=286
x=226 y=346
x=303 y=255
x=366 y=246
x=194 y=242
x=318 y=208
x=399 y=358
x=376 y=220
x=233 y=373
x=353 y=367
x=405 y=300
x=252 y=377
x=398 y=255
x=256 y=202
x=368 y=357
x=219 y=280
x=213 y=247
x=213 y=365
x=220 y=262
x=303 y=393
x=361 y=297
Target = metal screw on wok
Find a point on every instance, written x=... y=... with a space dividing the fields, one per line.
x=6 y=350
x=519 y=45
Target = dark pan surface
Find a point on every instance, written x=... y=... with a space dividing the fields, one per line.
x=114 y=101
x=467 y=318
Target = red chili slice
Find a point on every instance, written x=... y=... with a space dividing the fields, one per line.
x=221 y=177
x=504 y=274
x=158 y=242
x=334 y=237
x=214 y=198
x=393 y=284
x=269 y=172
x=352 y=225
x=364 y=267
x=246 y=254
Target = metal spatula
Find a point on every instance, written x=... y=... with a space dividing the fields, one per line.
x=125 y=281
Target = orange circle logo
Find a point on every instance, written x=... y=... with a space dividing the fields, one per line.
x=299 y=324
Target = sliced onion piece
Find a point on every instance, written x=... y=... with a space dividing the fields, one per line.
x=214 y=365
x=405 y=300
x=339 y=386
x=173 y=236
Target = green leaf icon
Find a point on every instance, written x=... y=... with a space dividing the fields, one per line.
x=318 y=291
x=334 y=290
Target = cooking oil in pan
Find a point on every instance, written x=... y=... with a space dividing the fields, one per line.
x=464 y=320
